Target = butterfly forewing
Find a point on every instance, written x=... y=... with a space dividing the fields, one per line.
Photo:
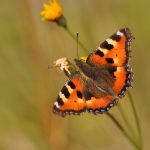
x=71 y=99
x=114 y=51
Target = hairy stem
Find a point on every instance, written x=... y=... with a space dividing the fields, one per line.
x=123 y=131
x=136 y=119
x=130 y=128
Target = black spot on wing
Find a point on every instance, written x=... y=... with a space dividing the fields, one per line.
x=100 y=53
x=60 y=101
x=116 y=37
x=79 y=94
x=110 y=60
x=107 y=46
x=65 y=92
x=111 y=70
x=71 y=84
x=88 y=96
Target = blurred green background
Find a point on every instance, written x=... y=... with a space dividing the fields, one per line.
x=28 y=89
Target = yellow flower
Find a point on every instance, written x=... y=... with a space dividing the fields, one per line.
x=52 y=11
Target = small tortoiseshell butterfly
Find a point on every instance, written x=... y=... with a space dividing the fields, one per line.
x=100 y=81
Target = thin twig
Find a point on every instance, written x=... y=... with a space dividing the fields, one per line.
x=136 y=119
x=123 y=130
x=132 y=132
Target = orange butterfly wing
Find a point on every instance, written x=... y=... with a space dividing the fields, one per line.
x=70 y=99
x=100 y=105
x=115 y=52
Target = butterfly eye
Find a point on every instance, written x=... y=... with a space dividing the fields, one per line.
x=110 y=60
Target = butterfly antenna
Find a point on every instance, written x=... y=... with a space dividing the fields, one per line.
x=50 y=67
x=77 y=45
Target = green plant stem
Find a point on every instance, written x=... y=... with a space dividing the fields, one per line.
x=136 y=119
x=75 y=38
x=123 y=130
x=132 y=132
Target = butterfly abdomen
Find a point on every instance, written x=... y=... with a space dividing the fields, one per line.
x=97 y=80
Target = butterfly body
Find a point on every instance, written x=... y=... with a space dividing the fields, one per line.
x=101 y=80
x=96 y=79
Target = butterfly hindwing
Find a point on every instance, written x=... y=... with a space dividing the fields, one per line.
x=114 y=51
x=123 y=77
x=70 y=99
x=100 y=105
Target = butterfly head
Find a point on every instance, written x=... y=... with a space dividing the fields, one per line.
x=83 y=67
x=79 y=62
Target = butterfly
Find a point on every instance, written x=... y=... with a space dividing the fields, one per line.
x=100 y=81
